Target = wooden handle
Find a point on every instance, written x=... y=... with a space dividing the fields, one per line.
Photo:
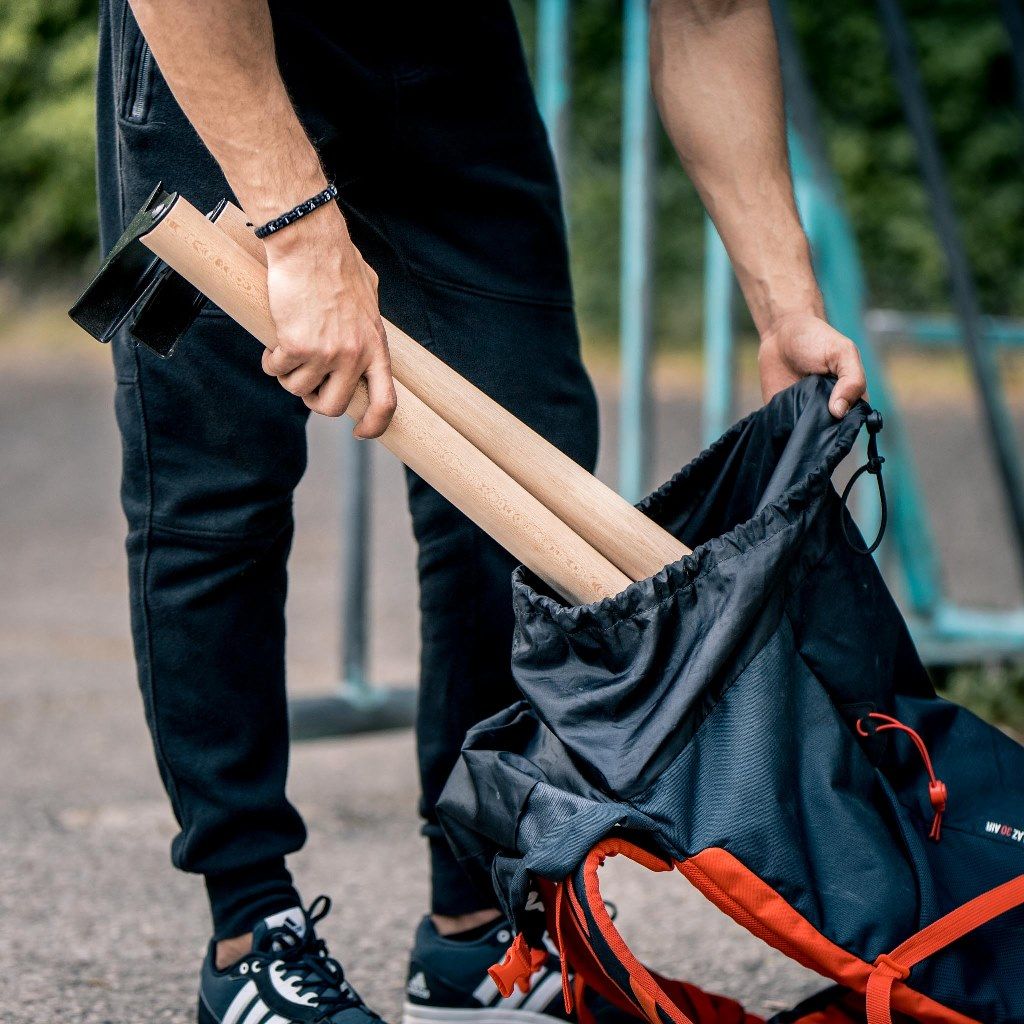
x=503 y=508
x=625 y=536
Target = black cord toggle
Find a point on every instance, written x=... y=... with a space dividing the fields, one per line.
x=873 y=422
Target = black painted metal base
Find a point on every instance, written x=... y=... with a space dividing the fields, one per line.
x=350 y=711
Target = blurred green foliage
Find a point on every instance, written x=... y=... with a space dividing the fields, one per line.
x=995 y=692
x=47 y=190
x=47 y=53
x=967 y=67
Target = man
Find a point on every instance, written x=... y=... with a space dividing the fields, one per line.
x=423 y=116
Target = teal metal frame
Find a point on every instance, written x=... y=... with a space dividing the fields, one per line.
x=355 y=705
x=981 y=357
x=946 y=633
x=889 y=326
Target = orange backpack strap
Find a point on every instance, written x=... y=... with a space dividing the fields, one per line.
x=896 y=966
x=592 y=946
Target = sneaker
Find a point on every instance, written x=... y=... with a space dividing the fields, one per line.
x=288 y=978
x=448 y=982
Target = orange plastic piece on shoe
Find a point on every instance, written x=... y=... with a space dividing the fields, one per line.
x=518 y=965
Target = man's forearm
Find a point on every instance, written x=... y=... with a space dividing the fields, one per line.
x=715 y=73
x=219 y=61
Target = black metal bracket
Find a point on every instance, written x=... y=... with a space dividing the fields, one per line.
x=134 y=288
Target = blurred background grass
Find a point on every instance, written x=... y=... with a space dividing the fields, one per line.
x=48 y=243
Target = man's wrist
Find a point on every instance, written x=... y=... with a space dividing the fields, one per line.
x=271 y=200
x=784 y=306
x=783 y=325
x=323 y=228
x=303 y=209
x=278 y=181
x=786 y=288
x=772 y=259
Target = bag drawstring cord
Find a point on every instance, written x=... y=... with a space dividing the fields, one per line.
x=873 y=422
x=938 y=795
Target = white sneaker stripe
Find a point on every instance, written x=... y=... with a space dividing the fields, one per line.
x=277 y=1019
x=543 y=993
x=538 y=980
x=486 y=992
x=240 y=1003
x=488 y=995
x=257 y=1013
x=294 y=919
x=512 y=1001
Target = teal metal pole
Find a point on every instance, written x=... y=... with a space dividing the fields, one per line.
x=553 y=88
x=635 y=253
x=718 y=336
x=939 y=331
x=838 y=266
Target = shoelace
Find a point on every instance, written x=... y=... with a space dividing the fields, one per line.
x=938 y=795
x=315 y=972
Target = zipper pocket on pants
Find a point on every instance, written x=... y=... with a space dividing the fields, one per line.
x=136 y=103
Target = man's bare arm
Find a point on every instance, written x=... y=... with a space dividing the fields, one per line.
x=218 y=59
x=715 y=73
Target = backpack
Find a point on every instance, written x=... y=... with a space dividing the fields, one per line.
x=755 y=717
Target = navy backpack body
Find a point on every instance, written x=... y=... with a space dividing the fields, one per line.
x=755 y=717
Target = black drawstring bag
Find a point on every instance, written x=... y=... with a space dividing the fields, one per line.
x=756 y=717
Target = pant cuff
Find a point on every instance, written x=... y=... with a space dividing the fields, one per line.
x=241 y=898
x=452 y=890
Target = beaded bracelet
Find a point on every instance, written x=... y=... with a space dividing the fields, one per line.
x=320 y=199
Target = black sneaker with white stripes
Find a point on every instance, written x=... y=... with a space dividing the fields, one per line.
x=288 y=978
x=449 y=984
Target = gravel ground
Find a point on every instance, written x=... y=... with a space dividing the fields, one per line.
x=96 y=927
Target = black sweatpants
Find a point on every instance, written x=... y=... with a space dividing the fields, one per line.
x=424 y=115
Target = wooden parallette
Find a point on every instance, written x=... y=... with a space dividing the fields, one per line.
x=624 y=535
x=509 y=499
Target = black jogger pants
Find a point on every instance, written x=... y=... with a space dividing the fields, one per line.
x=424 y=116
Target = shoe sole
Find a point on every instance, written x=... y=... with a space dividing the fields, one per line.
x=413 y=1013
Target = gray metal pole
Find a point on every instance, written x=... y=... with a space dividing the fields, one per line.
x=355 y=532
x=965 y=298
x=1013 y=19
x=355 y=706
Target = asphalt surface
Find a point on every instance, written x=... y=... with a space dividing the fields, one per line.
x=94 y=925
